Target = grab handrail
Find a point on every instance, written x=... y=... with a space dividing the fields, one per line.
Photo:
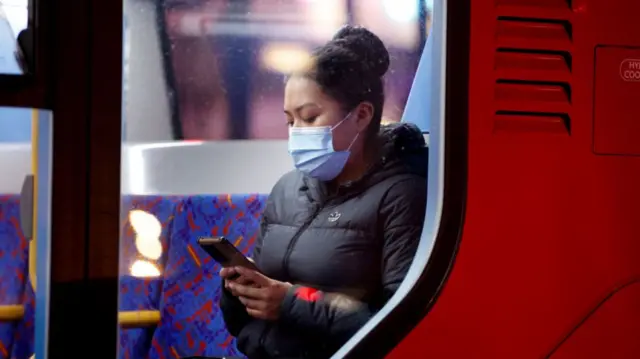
x=34 y=170
x=138 y=318
x=11 y=312
x=126 y=318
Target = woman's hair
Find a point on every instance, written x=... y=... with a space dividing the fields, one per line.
x=350 y=68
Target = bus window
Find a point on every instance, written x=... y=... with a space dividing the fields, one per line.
x=14 y=15
x=216 y=95
x=15 y=125
x=25 y=140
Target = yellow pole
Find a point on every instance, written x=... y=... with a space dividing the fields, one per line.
x=10 y=313
x=34 y=170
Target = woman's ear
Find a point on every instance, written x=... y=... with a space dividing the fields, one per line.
x=363 y=113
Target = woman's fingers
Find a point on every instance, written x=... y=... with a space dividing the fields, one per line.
x=227 y=273
x=246 y=291
x=242 y=280
x=252 y=303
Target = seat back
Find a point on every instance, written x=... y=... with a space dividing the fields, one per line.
x=187 y=294
x=136 y=293
x=191 y=321
x=13 y=267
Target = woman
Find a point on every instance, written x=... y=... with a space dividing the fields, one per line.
x=338 y=233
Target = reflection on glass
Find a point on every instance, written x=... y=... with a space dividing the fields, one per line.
x=212 y=70
x=14 y=16
x=394 y=20
x=285 y=58
x=147 y=229
x=207 y=140
x=17 y=14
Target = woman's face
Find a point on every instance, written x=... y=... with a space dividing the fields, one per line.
x=306 y=105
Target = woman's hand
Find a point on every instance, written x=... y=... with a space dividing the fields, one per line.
x=262 y=296
x=231 y=275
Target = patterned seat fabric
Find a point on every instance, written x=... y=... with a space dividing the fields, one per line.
x=187 y=294
x=141 y=293
x=191 y=321
x=136 y=293
x=13 y=266
x=23 y=344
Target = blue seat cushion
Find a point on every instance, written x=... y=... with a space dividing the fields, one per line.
x=14 y=252
x=192 y=324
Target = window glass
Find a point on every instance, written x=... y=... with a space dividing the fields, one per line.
x=15 y=125
x=219 y=66
x=14 y=15
x=206 y=140
x=25 y=159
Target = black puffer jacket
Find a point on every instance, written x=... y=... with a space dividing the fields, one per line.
x=358 y=241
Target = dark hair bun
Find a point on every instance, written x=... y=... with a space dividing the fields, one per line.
x=365 y=47
x=349 y=68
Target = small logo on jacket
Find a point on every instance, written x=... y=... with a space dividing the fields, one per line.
x=334 y=216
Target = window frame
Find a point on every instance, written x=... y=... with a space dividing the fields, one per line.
x=446 y=196
x=78 y=76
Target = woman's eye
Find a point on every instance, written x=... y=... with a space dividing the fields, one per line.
x=308 y=120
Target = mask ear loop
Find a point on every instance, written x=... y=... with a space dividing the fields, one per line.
x=340 y=123
x=353 y=141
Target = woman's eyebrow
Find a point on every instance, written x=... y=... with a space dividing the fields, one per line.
x=299 y=108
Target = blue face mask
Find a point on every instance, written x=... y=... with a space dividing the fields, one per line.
x=313 y=153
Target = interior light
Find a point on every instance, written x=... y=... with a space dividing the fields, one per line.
x=401 y=10
x=145 y=224
x=144 y=269
x=149 y=247
x=285 y=58
x=147 y=229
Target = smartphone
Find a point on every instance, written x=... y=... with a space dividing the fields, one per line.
x=225 y=253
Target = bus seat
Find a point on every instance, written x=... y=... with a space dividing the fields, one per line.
x=139 y=286
x=13 y=270
x=191 y=322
